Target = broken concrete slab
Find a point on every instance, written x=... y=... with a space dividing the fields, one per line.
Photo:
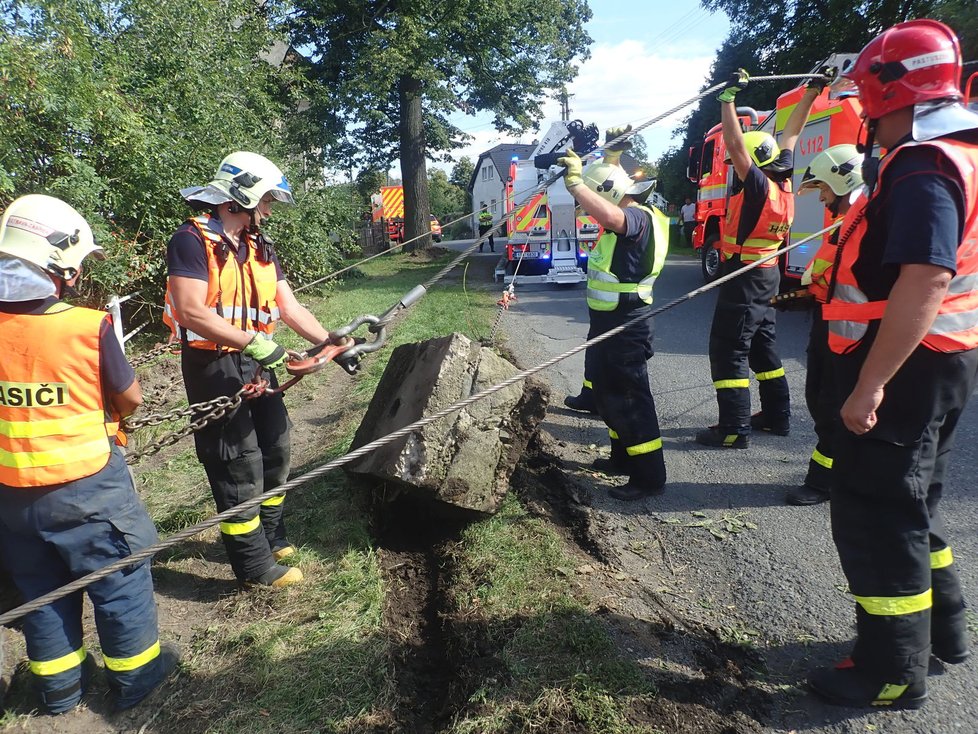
x=465 y=459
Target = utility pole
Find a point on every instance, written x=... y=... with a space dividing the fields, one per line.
x=564 y=105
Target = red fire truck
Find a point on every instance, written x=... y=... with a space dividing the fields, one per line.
x=832 y=121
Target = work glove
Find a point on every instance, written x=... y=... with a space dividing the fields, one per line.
x=818 y=83
x=265 y=352
x=573 y=169
x=612 y=153
x=799 y=299
x=737 y=83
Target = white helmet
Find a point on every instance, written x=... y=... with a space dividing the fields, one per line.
x=611 y=182
x=48 y=233
x=838 y=167
x=243 y=178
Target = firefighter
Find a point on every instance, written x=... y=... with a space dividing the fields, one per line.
x=225 y=294
x=485 y=225
x=903 y=329
x=622 y=268
x=837 y=177
x=67 y=502
x=758 y=218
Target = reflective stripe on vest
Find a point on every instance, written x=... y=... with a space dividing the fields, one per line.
x=243 y=294
x=53 y=422
x=604 y=287
x=769 y=232
x=955 y=327
x=818 y=274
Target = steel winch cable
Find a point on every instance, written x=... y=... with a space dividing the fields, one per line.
x=255 y=502
x=412 y=297
x=543 y=185
x=419 y=291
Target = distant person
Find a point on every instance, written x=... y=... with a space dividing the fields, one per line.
x=688 y=215
x=67 y=502
x=485 y=225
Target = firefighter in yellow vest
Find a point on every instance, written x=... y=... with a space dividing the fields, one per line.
x=759 y=215
x=67 y=502
x=836 y=174
x=903 y=328
x=225 y=295
x=622 y=269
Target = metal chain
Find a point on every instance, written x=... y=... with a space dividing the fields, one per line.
x=152 y=354
x=218 y=408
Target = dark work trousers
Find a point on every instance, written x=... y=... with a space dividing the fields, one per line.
x=688 y=228
x=587 y=388
x=822 y=401
x=624 y=399
x=245 y=454
x=50 y=536
x=483 y=228
x=886 y=487
x=742 y=336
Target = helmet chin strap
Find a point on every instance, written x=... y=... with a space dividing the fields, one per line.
x=834 y=206
x=871 y=165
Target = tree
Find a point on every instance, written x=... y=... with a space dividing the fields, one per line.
x=446 y=198
x=396 y=70
x=781 y=38
x=114 y=107
x=461 y=175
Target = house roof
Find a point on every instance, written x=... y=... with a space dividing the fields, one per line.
x=502 y=154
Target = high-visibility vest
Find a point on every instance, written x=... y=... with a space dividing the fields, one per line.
x=772 y=225
x=955 y=328
x=241 y=293
x=54 y=424
x=485 y=218
x=818 y=274
x=604 y=286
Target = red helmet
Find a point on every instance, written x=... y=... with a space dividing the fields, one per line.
x=911 y=62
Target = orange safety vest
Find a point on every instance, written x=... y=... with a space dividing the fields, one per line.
x=768 y=233
x=242 y=293
x=54 y=424
x=955 y=328
x=821 y=267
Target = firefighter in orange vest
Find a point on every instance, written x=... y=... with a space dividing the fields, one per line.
x=67 y=502
x=836 y=174
x=903 y=329
x=758 y=218
x=225 y=294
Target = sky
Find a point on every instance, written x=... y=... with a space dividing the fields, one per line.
x=649 y=55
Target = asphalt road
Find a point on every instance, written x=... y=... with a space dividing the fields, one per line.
x=763 y=573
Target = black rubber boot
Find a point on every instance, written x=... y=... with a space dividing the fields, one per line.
x=844 y=685
x=609 y=466
x=717 y=438
x=805 y=495
x=779 y=426
x=583 y=402
x=635 y=489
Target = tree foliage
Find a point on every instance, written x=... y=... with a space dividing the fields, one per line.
x=791 y=36
x=116 y=106
x=396 y=71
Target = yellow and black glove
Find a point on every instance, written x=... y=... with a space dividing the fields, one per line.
x=573 y=169
x=612 y=153
x=265 y=352
x=737 y=83
x=828 y=75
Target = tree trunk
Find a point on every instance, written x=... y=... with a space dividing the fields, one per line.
x=417 y=206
